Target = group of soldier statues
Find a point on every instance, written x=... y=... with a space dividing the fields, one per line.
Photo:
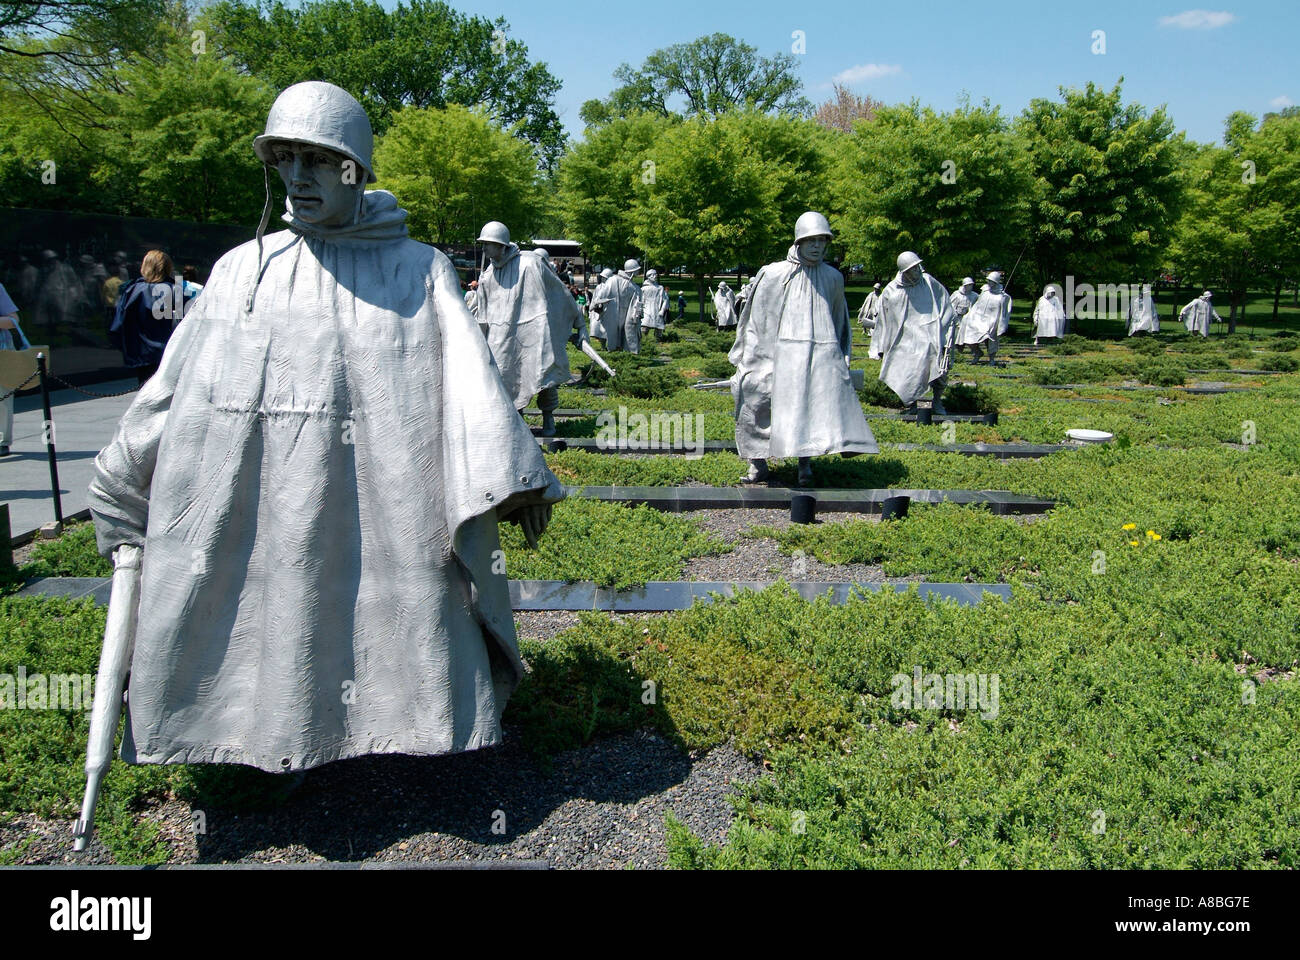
x=304 y=501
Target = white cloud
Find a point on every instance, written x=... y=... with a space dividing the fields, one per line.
x=1199 y=19
x=1280 y=103
x=866 y=71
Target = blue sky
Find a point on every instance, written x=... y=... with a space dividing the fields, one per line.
x=1203 y=62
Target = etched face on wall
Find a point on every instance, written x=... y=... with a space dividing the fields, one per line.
x=322 y=184
x=814 y=248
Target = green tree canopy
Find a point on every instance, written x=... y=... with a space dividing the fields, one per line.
x=727 y=192
x=709 y=75
x=953 y=187
x=1241 y=226
x=454 y=169
x=598 y=180
x=181 y=134
x=1108 y=184
x=422 y=54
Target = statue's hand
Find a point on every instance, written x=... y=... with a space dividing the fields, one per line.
x=533 y=522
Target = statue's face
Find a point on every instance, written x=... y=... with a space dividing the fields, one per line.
x=494 y=251
x=912 y=274
x=814 y=248
x=319 y=191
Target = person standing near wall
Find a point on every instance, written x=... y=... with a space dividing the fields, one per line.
x=143 y=323
x=11 y=338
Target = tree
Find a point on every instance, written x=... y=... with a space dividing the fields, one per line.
x=1108 y=184
x=455 y=170
x=598 y=181
x=953 y=187
x=844 y=109
x=711 y=75
x=181 y=134
x=1240 y=224
x=728 y=191
x=77 y=33
x=421 y=54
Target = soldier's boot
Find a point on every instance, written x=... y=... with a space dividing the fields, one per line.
x=547 y=401
x=758 y=472
x=937 y=406
x=805 y=472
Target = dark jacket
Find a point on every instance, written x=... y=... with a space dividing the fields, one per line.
x=135 y=330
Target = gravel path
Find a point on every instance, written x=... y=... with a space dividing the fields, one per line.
x=599 y=807
x=760 y=558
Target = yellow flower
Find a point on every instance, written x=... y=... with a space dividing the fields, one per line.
x=1153 y=535
x=1129 y=526
x=1132 y=543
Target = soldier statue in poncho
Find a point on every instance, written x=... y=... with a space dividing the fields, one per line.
x=868 y=315
x=1199 y=314
x=724 y=306
x=988 y=318
x=793 y=393
x=1049 y=316
x=654 y=304
x=527 y=315
x=917 y=333
x=315 y=475
x=1142 y=316
x=619 y=302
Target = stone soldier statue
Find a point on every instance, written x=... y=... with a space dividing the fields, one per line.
x=868 y=315
x=793 y=394
x=596 y=327
x=1143 y=317
x=1199 y=314
x=962 y=299
x=527 y=315
x=1049 y=315
x=654 y=304
x=724 y=305
x=917 y=332
x=987 y=318
x=619 y=300
x=316 y=474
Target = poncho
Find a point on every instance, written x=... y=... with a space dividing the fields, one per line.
x=528 y=314
x=868 y=315
x=1049 y=317
x=654 y=305
x=724 y=305
x=619 y=300
x=1143 y=317
x=316 y=474
x=792 y=389
x=988 y=317
x=1198 y=315
x=595 y=328
x=915 y=331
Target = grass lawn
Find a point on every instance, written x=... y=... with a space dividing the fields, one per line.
x=1147 y=703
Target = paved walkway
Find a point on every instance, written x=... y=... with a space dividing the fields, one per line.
x=82 y=427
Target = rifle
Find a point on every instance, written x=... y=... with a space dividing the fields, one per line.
x=114 y=665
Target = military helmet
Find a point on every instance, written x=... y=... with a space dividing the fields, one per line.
x=652 y=274
x=812 y=224
x=907 y=260
x=606 y=273
x=494 y=231
x=631 y=266
x=322 y=115
x=994 y=277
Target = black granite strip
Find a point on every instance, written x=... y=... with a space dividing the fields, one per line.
x=761 y=496
x=657 y=596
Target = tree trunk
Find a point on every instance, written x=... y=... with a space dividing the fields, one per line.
x=1277 y=297
x=1238 y=297
x=699 y=291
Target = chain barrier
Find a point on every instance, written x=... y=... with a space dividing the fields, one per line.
x=90 y=393
x=6 y=396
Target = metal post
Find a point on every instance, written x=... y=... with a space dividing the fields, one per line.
x=48 y=430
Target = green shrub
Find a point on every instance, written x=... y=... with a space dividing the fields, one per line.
x=1161 y=372
x=876 y=393
x=1145 y=345
x=964 y=398
x=1279 y=361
